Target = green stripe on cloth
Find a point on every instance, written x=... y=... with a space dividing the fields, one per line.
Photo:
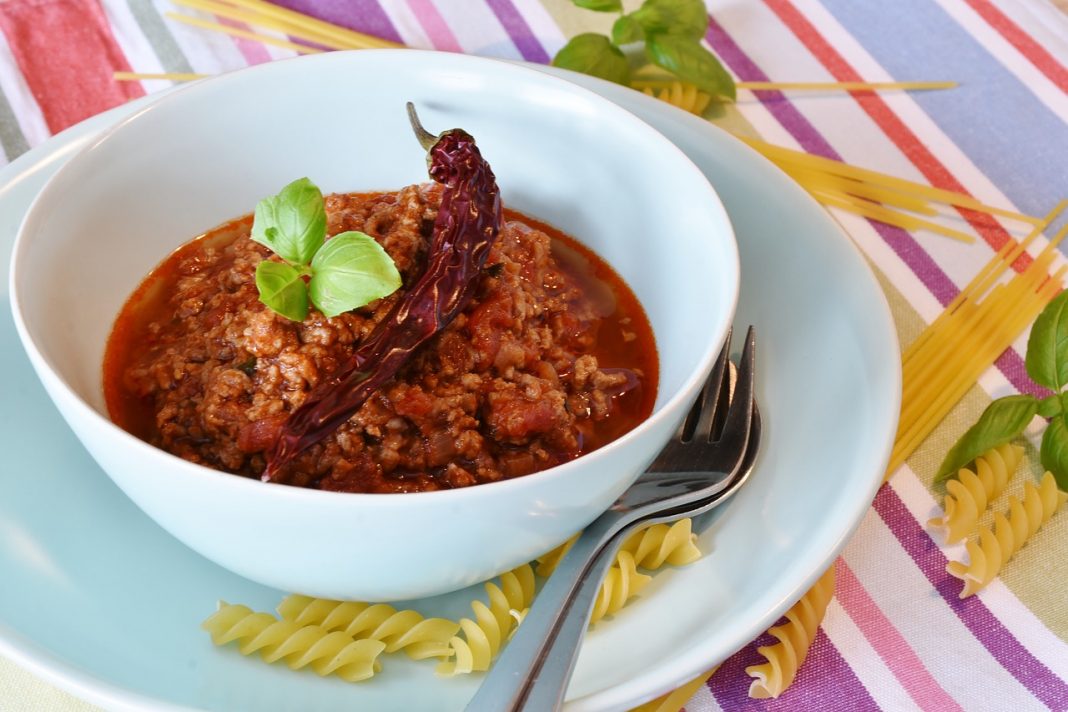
x=1032 y=573
x=156 y=32
x=11 y=136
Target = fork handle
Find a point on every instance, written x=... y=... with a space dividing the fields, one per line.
x=546 y=690
x=526 y=677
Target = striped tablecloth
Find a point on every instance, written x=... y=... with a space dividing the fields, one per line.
x=896 y=637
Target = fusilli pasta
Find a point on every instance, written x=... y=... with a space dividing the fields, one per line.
x=651 y=547
x=992 y=549
x=325 y=652
x=967 y=496
x=685 y=96
x=548 y=562
x=620 y=584
x=770 y=679
x=674 y=544
x=483 y=637
x=346 y=637
x=405 y=630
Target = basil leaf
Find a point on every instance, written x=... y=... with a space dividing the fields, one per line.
x=1003 y=420
x=1047 y=347
x=600 y=5
x=593 y=54
x=626 y=30
x=683 y=18
x=351 y=270
x=1054 y=452
x=690 y=62
x=292 y=223
x=282 y=289
x=1051 y=406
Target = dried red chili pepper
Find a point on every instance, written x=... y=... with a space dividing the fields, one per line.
x=464 y=231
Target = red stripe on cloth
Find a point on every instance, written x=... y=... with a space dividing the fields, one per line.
x=66 y=52
x=892 y=125
x=890 y=645
x=1023 y=42
x=253 y=52
x=437 y=30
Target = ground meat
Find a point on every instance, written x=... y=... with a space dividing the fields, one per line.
x=512 y=386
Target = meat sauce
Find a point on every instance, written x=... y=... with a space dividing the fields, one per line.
x=553 y=358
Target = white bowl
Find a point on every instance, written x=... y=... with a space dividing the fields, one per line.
x=208 y=152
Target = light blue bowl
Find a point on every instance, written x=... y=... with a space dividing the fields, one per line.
x=207 y=153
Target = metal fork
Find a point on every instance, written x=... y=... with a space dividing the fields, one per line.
x=560 y=651
x=704 y=464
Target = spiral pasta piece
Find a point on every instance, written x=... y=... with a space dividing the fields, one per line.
x=547 y=563
x=967 y=496
x=325 y=652
x=346 y=637
x=621 y=583
x=651 y=547
x=992 y=549
x=405 y=630
x=673 y=544
x=685 y=96
x=492 y=625
x=784 y=658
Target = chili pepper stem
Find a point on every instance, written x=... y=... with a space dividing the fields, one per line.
x=426 y=139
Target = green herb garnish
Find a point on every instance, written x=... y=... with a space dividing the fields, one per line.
x=337 y=275
x=1006 y=418
x=671 y=31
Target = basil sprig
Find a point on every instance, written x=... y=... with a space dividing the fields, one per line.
x=1006 y=418
x=337 y=275
x=671 y=31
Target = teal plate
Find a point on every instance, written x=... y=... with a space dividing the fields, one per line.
x=98 y=600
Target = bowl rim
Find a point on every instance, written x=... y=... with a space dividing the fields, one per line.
x=59 y=389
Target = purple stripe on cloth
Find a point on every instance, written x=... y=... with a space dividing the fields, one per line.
x=983 y=624
x=365 y=16
x=810 y=690
x=812 y=141
x=1011 y=364
x=518 y=29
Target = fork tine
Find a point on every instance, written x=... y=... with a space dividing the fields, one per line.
x=707 y=403
x=715 y=401
x=740 y=412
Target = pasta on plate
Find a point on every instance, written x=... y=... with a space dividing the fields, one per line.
x=345 y=638
x=405 y=630
x=651 y=547
x=483 y=637
x=325 y=652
